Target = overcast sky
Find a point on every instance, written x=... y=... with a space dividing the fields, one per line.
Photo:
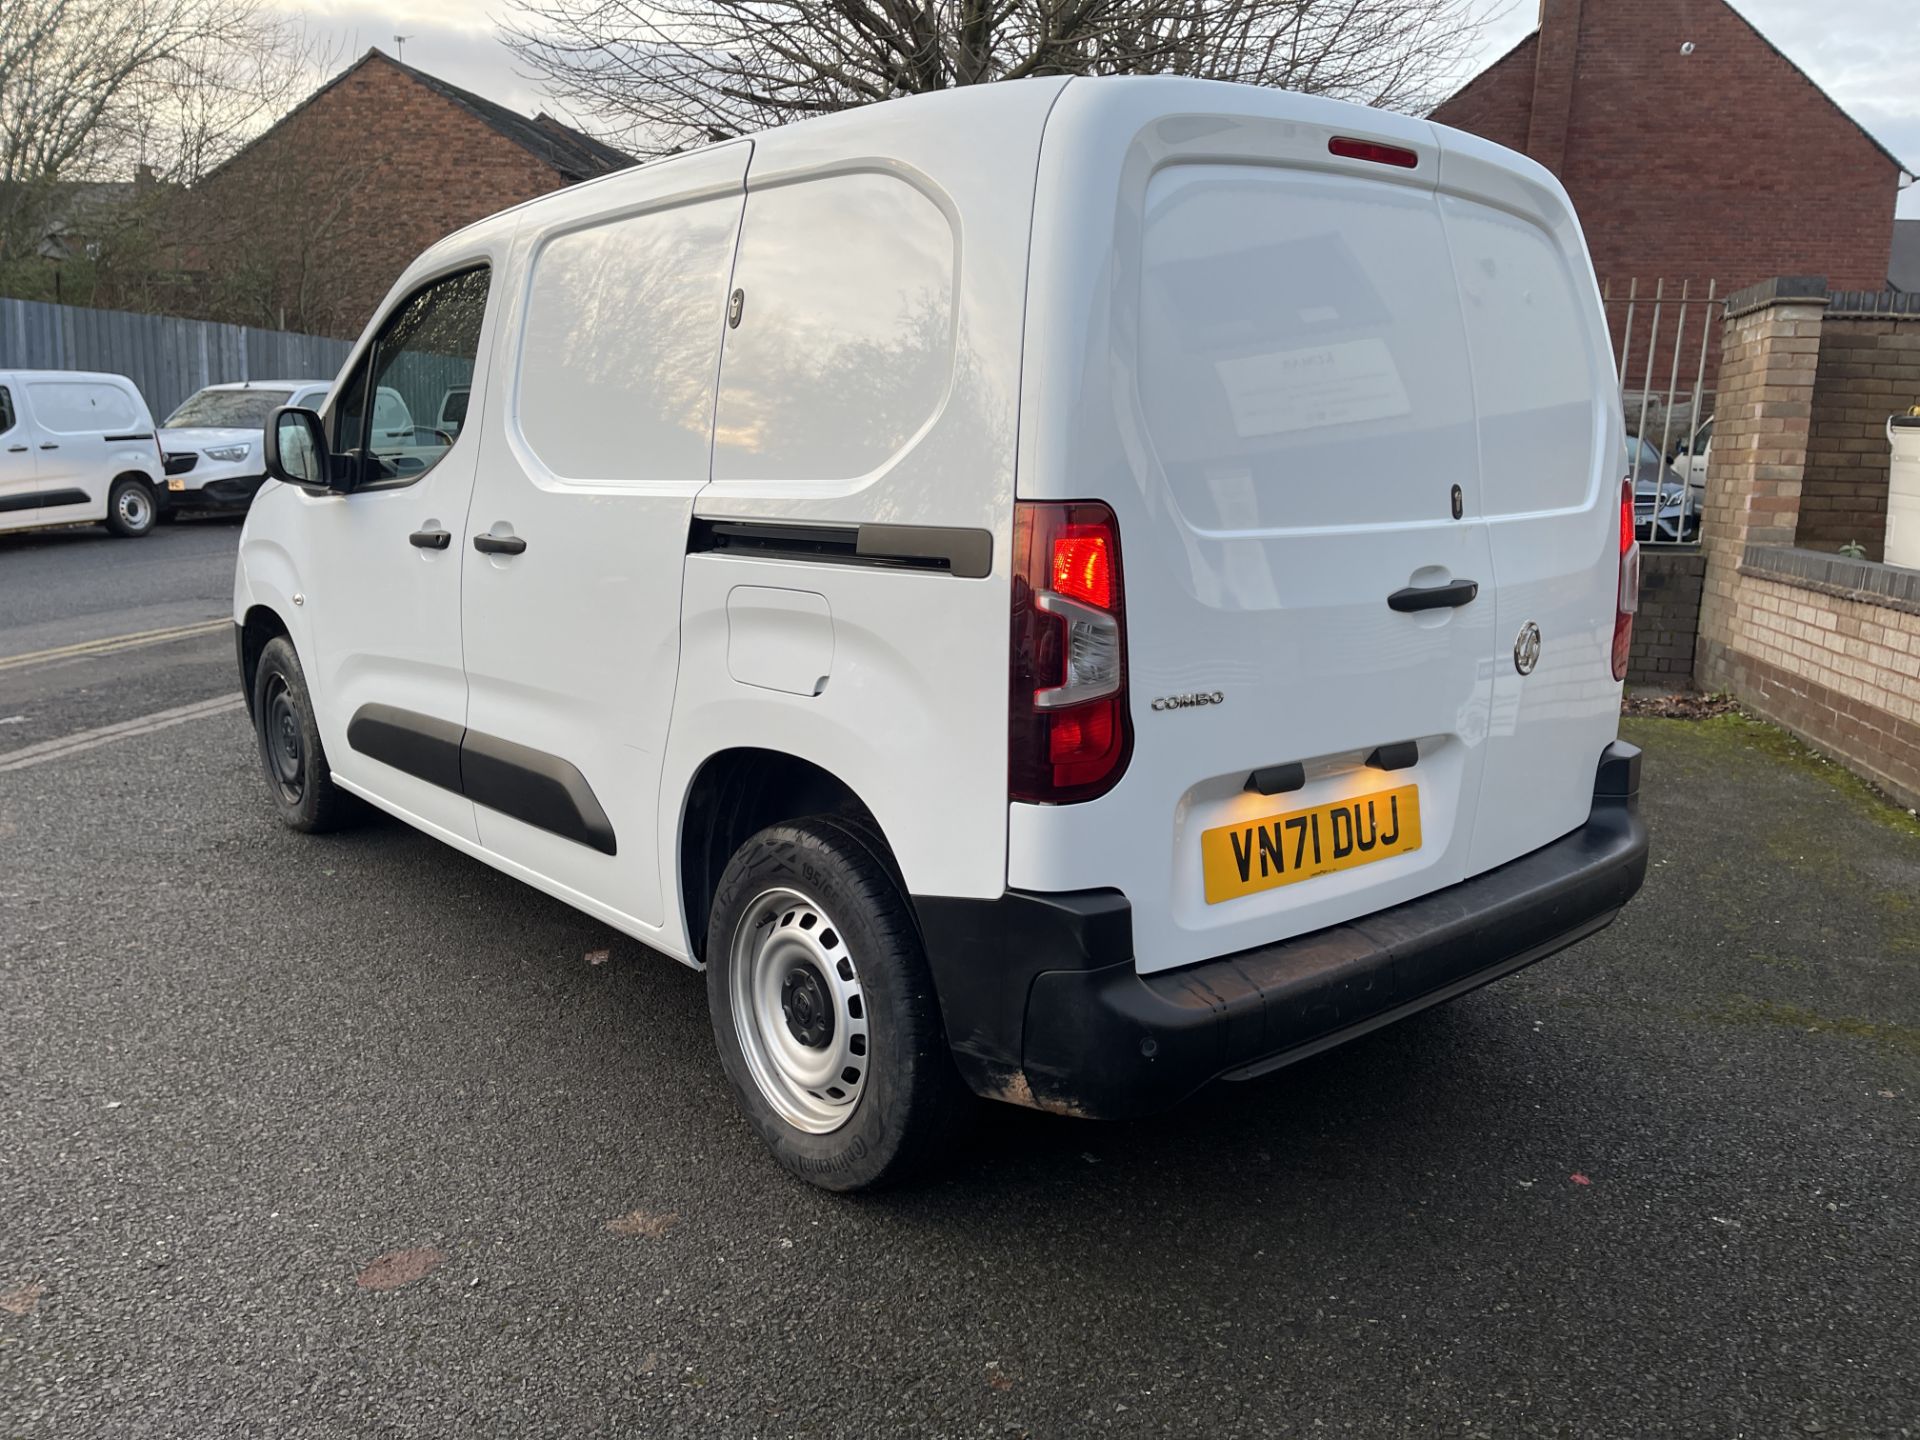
x=1864 y=52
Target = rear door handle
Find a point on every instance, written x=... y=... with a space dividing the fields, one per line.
x=499 y=544
x=430 y=539
x=16 y=449
x=1434 y=597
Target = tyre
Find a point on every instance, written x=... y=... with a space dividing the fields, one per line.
x=291 y=755
x=824 y=1010
x=130 y=508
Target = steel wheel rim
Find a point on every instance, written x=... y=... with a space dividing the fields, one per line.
x=798 y=1011
x=135 y=512
x=280 y=740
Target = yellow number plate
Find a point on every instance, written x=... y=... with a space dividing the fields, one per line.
x=1258 y=855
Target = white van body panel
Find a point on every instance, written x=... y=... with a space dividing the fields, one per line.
x=74 y=433
x=593 y=444
x=381 y=619
x=917 y=693
x=1261 y=356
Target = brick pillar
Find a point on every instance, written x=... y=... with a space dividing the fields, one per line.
x=1555 y=63
x=1763 y=413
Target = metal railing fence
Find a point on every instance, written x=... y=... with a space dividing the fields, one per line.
x=1667 y=338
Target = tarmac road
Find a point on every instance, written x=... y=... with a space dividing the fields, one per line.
x=1663 y=1184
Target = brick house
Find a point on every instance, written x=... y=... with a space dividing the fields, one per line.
x=308 y=226
x=1692 y=148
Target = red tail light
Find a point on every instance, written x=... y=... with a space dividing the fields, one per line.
x=1628 y=599
x=1068 y=736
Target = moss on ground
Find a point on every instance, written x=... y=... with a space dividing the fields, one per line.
x=1745 y=1010
x=1733 y=732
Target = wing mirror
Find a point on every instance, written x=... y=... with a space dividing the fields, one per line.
x=296 y=449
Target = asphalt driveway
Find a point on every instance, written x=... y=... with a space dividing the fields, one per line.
x=353 y=1137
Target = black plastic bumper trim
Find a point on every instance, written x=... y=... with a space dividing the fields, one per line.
x=528 y=785
x=425 y=747
x=1044 y=1005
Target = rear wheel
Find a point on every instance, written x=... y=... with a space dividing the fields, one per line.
x=291 y=755
x=823 y=1007
x=130 y=508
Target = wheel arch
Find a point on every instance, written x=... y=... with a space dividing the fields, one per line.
x=740 y=791
x=261 y=624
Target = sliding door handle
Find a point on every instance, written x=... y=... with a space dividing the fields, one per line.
x=499 y=544
x=430 y=539
x=1433 y=597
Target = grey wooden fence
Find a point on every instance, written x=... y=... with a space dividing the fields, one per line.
x=168 y=358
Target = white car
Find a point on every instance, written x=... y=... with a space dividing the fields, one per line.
x=214 y=442
x=1693 y=454
x=1173 y=631
x=76 y=448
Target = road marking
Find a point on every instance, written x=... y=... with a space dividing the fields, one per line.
x=66 y=745
x=112 y=644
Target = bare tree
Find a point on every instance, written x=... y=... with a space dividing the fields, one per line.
x=668 y=73
x=89 y=89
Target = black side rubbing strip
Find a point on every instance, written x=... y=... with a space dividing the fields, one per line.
x=42 y=499
x=530 y=785
x=535 y=788
x=426 y=748
x=945 y=550
x=111 y=439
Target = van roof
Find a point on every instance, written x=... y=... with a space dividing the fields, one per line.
x=102 y=375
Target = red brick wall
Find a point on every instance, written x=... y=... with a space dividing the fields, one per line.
x=1725 y=164
x=1869 y=369
x=321 y=214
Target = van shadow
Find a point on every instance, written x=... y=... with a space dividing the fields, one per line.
x=1434 y=1091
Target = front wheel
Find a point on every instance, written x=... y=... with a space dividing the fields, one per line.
x=823 y=1007
x=295 y=762
x=130 y=508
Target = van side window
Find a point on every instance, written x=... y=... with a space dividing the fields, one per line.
x=427 y=344
x=6 y=410
x=845 y=345
x=621 y=344
x=82 y=407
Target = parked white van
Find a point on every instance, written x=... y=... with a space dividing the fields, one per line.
x=76 y=448
x=1071 y=589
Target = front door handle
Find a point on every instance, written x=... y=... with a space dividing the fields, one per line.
x=499 y=544
x=49 y=446
x=1433 y=597
x=430 y=539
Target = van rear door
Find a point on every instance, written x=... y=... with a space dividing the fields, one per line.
x=1274 y=387
x=1549 y=428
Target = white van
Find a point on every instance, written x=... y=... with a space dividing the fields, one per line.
x=1070 y=589
x=76 y=448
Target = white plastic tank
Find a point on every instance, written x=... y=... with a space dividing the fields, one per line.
x=1903 y=492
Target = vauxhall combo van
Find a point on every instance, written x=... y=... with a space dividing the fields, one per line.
x=1069 y=590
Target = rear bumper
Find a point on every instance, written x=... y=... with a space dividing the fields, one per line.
x=1043 y=1005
